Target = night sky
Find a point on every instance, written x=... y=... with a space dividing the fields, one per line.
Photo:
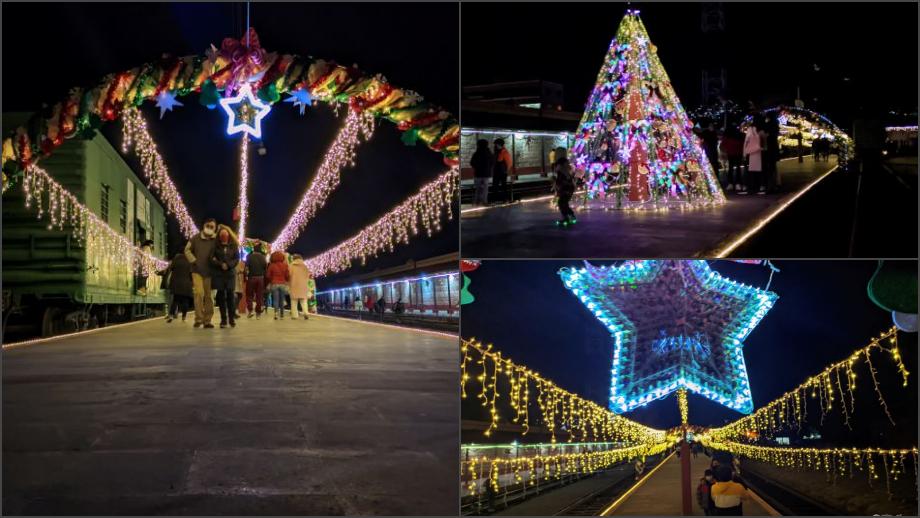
x=767 y=48
x=823 y=313
x=92 y=40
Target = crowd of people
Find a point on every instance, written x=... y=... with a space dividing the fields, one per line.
x=722 y=491
x=493 y=165
x=745 y=160
x=210 y=272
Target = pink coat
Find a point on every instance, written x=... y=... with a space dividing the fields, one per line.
x=300 y=275
x=753 y=149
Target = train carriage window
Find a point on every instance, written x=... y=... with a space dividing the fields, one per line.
x=123 y=217
x=104 y=203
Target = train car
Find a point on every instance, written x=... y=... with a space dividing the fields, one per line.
x=51 y=282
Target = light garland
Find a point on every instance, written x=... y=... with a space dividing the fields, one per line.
x=244 y=186
x=63 y=209
x=635 y=133
x=683 y=406
x=557 y=408
x=675 y=324
x=791 y=408
x=836 y=462
x=429 y=205
x=541 y=468
x=326 y=179
x=138 y=137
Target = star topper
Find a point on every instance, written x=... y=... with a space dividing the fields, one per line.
x=245 y=112
x=675 y=324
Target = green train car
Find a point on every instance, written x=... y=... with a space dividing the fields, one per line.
x=51 y=282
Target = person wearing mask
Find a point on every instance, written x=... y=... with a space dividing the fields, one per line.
x=300 y=289
x=180 y=285
x=703 y=493
x=482 y=171
x=753 y=153
x=564 y=184
x=224 y=259
x=501 y=168
x=278 y=275
x=727 y=495
x=256 y=265
x=198 y=251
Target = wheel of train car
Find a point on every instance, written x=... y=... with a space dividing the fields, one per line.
x=52 y=321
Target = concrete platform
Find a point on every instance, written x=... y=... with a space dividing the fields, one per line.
x=317 y=417
x=528 y=230
x=660 y=494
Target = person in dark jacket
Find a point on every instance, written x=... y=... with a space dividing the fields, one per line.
x=180 y=284
x=198 y=251
x=224 y=258
x=256 y=264
x=771 y=153
x=482 y=171
x=565 y=187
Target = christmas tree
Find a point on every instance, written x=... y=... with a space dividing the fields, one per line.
x=635 y=145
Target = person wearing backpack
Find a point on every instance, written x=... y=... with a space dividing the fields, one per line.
x=704 y=493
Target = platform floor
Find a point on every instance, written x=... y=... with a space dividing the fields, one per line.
x=528 y=230
x=325 y=417
x=660 y=494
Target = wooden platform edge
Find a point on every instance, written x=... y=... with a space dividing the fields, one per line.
x=622 y=498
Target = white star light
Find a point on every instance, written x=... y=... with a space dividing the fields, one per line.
x=248 y=108
x=166 y=101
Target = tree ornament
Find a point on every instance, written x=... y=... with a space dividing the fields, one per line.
x=209 y=97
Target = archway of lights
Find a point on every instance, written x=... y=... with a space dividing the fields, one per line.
x=245 y=81
x=812 y=125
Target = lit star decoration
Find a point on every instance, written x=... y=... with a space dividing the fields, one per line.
x=166 y=101
x=155 y=170
x=301 y=98
x=635 y=144
x=245 y=112
x=675 y=324
x=340 y=154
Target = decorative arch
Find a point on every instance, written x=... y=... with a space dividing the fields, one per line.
x=223 y=70
x=811 y=123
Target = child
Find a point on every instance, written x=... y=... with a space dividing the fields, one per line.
x=565 y=187
x=703 y=493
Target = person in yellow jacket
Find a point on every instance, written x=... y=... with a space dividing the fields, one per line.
x=727 y=495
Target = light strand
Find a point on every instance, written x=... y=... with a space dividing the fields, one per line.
x=64 y=210
x=428 y=205
x=583 y=420
x=340 y=154
x=791 y=408
x=682 y=405
x=244 y=186
x=136 y=135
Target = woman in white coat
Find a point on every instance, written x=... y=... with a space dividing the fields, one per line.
x=753 y=152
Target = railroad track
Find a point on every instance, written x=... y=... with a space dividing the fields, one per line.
x=594 y=503
x=786 y=500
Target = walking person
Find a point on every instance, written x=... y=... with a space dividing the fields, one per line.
x=300 y=288
x=224 y=259
x=704 y=493
x=239 y=287
x=727 y=495
x=256 y=265
x=180 y=285
x=482 y=171
x=753 y=153
x=278 y=275
x=500 y=168
x=564 y=184
x=198 y=251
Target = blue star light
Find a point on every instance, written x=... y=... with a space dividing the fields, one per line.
x=166 y=101
x=245 y=112
x=675 y=324
x=300 y=98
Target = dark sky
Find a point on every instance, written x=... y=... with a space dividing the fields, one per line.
x=823 y=314
x=92 y=40
x=767 y=48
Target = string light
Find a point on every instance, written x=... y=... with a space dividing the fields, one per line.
x=244 y=186
x=833 y=461
x=428 y=205
x=558 y=409
x=326 y=179
x=684 y=321
x=791 y=408
x=635 y=133
x=137 y=136
x=682 y=405
x=64 y=210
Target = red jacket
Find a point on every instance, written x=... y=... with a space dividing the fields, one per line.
x=278 y=271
